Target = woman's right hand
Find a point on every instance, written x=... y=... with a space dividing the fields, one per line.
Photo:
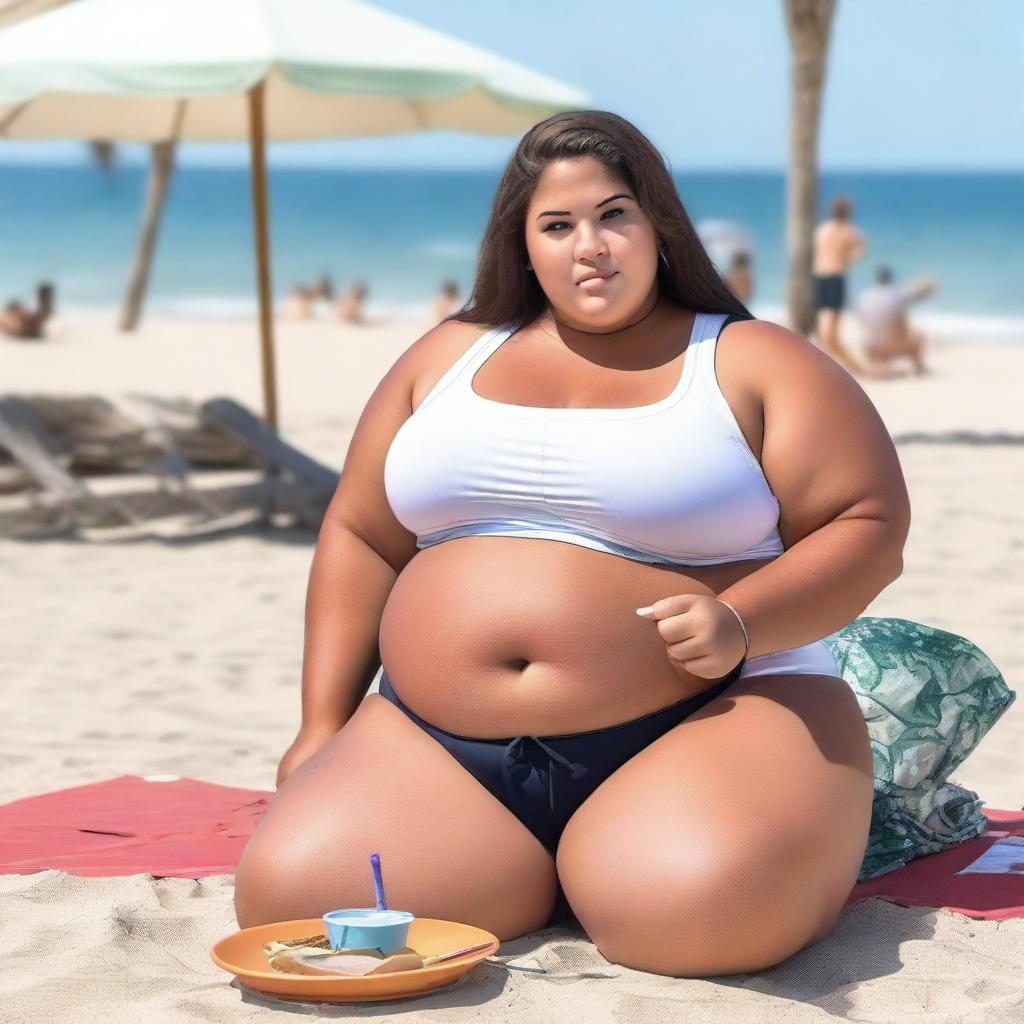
x=310 y=740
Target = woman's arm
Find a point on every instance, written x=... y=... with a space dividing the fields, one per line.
x=844 y=508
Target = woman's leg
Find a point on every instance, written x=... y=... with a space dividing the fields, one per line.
x=733 y=841
x=448 y=848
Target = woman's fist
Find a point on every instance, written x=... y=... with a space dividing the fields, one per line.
x=703 y=635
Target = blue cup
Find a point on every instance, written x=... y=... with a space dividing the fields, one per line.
x=368 y=928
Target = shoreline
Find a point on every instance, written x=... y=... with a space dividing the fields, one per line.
x=942 y=326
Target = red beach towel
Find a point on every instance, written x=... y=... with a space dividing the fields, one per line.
x=183 y=829
x=187 y=828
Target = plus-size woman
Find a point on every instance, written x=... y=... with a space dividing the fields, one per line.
x=602 y=428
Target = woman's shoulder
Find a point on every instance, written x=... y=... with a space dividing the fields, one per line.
x=431 y=355
x=770 y=358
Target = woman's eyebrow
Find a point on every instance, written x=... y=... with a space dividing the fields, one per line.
x=567 y=213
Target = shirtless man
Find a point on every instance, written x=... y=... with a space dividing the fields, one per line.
x=837 y=244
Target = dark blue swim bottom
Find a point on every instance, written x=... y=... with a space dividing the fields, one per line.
x=542 y=780
x=829 y=291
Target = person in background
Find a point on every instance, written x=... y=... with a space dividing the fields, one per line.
x=882 y=311
x=446 y=302
x=837 y=244
x=321 y=297
x=350 y=305
x=18 y=321
x=740 y=277
x=298 y=303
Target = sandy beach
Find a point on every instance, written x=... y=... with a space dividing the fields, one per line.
x=149 y=658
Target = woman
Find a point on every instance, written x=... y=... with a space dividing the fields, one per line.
x=567 y=449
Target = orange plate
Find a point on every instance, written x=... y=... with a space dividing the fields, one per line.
x=242 y=955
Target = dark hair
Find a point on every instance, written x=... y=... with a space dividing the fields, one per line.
x=883 y=275
x=505 y=292
x=842 y=207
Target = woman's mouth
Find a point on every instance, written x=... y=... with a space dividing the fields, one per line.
x=596 y=282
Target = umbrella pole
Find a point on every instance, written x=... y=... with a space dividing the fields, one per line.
x=258 y=165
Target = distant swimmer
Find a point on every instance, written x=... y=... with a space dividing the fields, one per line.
x=887 y=334
x=837 y=244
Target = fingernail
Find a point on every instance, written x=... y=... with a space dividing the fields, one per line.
x=645 y=611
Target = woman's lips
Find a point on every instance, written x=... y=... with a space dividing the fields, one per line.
x=591 y=281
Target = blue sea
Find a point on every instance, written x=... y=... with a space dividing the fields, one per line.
x=404 y=231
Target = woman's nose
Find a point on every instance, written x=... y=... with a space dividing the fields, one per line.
x=590 y=245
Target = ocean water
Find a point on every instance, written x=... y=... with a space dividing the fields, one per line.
x=402 y=232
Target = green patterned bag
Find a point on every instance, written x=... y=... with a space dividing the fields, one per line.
x=928 y=698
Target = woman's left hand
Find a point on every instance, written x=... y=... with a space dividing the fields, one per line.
x=704 y=637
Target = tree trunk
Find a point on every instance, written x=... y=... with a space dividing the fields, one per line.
x=809 y=23
x=156 y=190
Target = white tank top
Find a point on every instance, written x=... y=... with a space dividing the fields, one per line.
x=672 y=483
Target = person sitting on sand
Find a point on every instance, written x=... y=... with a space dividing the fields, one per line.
x=350 y=305
x=321 y=297
x=740 y=277
x=604 y=428
x=298 y=303
x=447 y=300
x=882 y=312
x=18 y=321
x=837 y=244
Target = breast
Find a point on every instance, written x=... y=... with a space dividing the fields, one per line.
x=677 y=484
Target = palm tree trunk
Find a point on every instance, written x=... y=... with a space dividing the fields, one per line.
x=160 y=172
x=809 y=23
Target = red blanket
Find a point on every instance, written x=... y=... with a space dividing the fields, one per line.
x=187 y=829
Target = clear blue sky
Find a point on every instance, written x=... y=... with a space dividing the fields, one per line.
x=922 y=84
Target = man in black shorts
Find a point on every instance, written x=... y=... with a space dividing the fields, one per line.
x=837 y=244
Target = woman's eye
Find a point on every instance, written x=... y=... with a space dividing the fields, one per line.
x=558 y=224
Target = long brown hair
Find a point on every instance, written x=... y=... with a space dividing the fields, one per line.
x=505 y=292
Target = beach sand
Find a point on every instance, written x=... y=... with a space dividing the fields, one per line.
x=148 y=658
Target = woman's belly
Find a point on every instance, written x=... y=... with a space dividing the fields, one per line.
x=507 y=636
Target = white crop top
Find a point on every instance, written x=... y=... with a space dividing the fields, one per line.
x=670 y=483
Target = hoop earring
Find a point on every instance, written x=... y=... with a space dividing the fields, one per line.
x=661 y=253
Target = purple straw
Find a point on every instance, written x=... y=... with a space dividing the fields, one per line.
x=378 y=882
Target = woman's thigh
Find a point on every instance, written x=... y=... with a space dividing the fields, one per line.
x=733 y=840
x=448 y=848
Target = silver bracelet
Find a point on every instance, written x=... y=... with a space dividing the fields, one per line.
x=746 y=635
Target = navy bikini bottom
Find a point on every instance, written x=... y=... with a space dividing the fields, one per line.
x=542 y=780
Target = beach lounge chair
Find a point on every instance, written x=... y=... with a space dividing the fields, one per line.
x=79 y=509
x=25 y=436
x=297 y=482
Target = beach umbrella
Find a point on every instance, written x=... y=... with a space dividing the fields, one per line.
x=17 y=10
x=231 y=70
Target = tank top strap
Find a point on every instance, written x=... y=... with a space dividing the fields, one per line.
x=465 y=366
x=707 y=342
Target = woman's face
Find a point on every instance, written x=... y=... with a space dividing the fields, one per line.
x=582 y=220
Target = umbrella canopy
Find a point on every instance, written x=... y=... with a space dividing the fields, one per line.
x=115 y=69
x=17 y=10
x=229 y=70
